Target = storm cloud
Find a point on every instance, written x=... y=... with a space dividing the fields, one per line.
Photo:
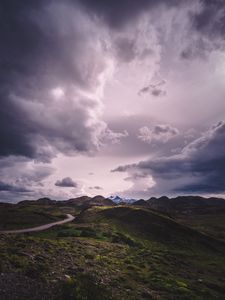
x=54 y=61
x=116 y=14
x=53 y=66
x=12 y=188
x=71 y=76
x=210 y=18
x=66 y=182
x=199 y=168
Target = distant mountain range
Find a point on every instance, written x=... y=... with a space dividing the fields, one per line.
x=183 y=204
x=81 y=202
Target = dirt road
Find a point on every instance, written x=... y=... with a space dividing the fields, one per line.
x=42 y=227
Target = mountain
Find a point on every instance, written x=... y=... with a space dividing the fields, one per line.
x=85 y=201
x=186 y=204
x=207 y=215
x=119 y=200
x=183 y=204
x=78 y=201
x=140 y=202
x=100 y=201
x=116 y=199
x=40 y=201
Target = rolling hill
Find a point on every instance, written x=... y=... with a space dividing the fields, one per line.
x=109 y=252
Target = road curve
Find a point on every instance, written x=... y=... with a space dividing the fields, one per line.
x=42 y=227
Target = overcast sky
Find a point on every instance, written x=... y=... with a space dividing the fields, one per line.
x=111 y=97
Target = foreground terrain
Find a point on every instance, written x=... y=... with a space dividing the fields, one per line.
x=109 y=252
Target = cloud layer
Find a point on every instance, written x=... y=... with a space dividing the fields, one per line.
x=103 y=79
x=199 y=168
x=54 y=64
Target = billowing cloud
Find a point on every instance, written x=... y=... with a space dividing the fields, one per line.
x=52 y=75
x=24 y=172
x=70 y=72
x=54 y=69
x=162 y=133
x=22 y=178
x=199 y=168
x=66 y=182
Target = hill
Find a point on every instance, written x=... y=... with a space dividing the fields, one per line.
x=110 y=252
x=26 y=214
x=178 y=253
x=204 y=214
x=149 y=225
x=187 y=204
x=85 y=201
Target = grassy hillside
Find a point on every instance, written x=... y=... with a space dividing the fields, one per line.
x=148 y=225
x=206 y=215
x=113 y=253
x=29 y=215
x=210 y=224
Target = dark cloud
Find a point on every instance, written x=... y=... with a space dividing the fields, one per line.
x=197 y=49
x=49 y=74
x=200 y=167
x=118 y=13
x=54 y=59
x=210 y=20
x=66 y=182
x=95 y=187
x=20 y=178
x=156 y=90
x=51 y=59
x=5 y=187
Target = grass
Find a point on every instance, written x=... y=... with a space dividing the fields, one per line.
x=210 y=224
x=116 y=253
x=25 y=216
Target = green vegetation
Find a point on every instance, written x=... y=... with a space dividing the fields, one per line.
x=30 y=215
x=210 y=224
x=113 y=253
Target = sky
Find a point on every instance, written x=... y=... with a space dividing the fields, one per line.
x=112 y=97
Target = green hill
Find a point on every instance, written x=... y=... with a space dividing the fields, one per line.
x=149 y=225
x=113 y=252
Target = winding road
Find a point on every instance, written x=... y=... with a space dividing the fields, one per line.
x=42 y=227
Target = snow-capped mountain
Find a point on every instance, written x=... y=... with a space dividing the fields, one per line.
x=118 y=199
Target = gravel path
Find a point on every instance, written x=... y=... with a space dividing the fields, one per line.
x=42 y=227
